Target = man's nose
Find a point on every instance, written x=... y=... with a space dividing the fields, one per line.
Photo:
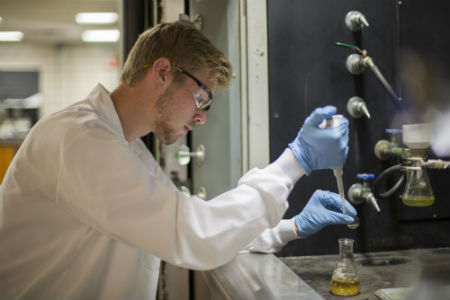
x=200 y=117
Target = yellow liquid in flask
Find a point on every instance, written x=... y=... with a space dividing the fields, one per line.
x=418 y=200
x=348 y=286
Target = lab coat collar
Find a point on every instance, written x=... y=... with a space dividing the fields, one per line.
x=101 y=100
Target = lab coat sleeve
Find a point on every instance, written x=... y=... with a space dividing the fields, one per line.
x=106 y=186
x=274 y=239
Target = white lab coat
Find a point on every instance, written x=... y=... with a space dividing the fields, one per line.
x=84 y=214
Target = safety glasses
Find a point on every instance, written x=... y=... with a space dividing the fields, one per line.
x=204 y=96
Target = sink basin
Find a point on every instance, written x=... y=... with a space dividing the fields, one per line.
x=383 y=260
x=379 y=271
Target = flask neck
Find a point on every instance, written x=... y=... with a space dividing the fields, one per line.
x=346 y=248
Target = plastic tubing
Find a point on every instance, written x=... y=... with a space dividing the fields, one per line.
x=382 y=177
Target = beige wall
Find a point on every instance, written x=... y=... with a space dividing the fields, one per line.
x=67 y=73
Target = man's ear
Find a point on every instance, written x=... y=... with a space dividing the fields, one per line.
x=162 y=68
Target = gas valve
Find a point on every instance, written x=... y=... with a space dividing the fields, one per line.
x=360 y=193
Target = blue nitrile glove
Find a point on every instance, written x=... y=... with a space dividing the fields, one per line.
x=322 y=209
x=317 y=148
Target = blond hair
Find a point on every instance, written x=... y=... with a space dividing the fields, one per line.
x=183 y=45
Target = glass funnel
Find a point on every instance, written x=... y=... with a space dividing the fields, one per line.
x=418 y=190
x=345 y=280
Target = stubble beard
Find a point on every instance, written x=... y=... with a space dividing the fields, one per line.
x=163 y=129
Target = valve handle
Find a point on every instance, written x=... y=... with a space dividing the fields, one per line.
x=363 y=52
x=365 y=176
x=389 y=130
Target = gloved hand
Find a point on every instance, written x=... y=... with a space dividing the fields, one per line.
x=322 y=209
x=317 y=148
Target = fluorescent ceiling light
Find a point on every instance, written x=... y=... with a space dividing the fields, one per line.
x=111 y=35
x=11 y=36
x=96 y=18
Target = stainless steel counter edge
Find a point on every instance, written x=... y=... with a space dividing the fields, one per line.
x=12 y=141
x=257 y=276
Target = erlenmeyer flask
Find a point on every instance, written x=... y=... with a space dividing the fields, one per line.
x=345 y=280
x=418 y=190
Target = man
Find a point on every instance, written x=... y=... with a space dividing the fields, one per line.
x=86 y=212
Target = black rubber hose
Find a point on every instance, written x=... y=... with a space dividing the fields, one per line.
x=381 y=178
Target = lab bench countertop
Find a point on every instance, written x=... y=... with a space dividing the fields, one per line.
x=383 y=275
x=257 y=276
